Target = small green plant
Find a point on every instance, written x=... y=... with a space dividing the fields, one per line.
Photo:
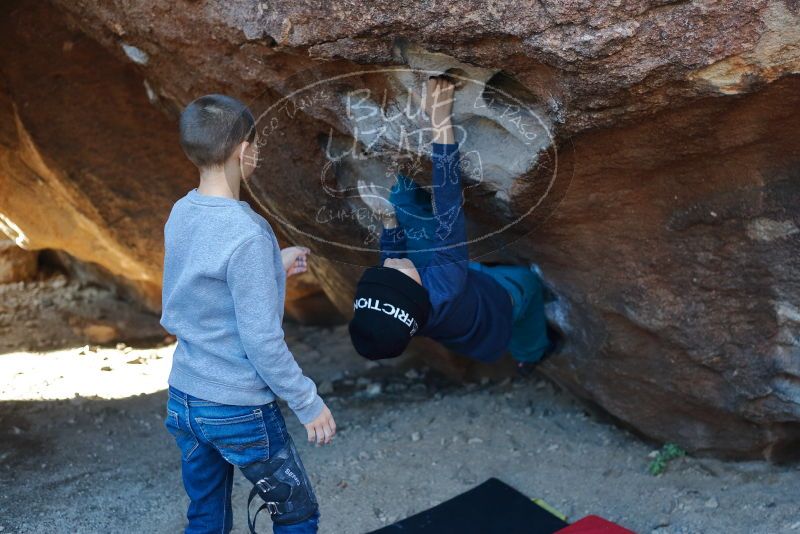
x=668 y=452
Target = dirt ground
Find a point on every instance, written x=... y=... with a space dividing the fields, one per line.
x=54 y=311
x=83 y=448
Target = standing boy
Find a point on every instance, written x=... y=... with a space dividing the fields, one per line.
x=224 y=288
x=426 y=286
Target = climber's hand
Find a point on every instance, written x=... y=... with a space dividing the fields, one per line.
x=439 y=100
x=439 y=106
x=295 y=260
x=372 y=197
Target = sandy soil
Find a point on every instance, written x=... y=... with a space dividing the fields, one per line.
x=83 y=449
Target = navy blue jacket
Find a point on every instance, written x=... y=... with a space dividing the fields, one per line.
x=470 y=312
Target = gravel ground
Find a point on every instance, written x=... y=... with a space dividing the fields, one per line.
x=83 y=449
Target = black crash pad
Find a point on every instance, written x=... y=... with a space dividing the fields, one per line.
x=490 y=508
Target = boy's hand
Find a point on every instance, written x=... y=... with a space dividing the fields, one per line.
x=295 y=260
x=322 y=429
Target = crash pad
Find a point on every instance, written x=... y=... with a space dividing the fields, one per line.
x=490 y=508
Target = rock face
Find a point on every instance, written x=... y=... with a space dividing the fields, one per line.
x=16 y=264
x=645 y=155
x=85 y=159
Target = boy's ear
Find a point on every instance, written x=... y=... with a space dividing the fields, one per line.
x=247 y=158
x=240 y=150
x=237 y=154
x=242 y=157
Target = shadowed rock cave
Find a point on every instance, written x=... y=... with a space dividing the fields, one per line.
x=669 y=237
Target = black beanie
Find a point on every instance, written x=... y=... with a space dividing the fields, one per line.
x=389 y=308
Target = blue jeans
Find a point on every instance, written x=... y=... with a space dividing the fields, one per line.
x=213 y=438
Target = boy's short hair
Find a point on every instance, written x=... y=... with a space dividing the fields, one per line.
x=212 y=127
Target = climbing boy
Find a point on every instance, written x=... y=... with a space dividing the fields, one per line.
x=223 y=296
x=426 y=285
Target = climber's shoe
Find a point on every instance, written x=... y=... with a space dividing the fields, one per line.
x=556 y=343
x=525 y=369
x=556 y=340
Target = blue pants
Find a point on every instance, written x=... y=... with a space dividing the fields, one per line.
x=213 y=438
x=529 y=339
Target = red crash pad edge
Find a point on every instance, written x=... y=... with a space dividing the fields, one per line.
x=592 y=524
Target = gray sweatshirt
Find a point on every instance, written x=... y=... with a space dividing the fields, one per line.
x=223 y=294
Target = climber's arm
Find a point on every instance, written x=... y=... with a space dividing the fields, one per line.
x=451 y=235
x=393 y=238
x=449 y=262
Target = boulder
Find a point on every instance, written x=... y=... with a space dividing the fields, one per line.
x=643 y=154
